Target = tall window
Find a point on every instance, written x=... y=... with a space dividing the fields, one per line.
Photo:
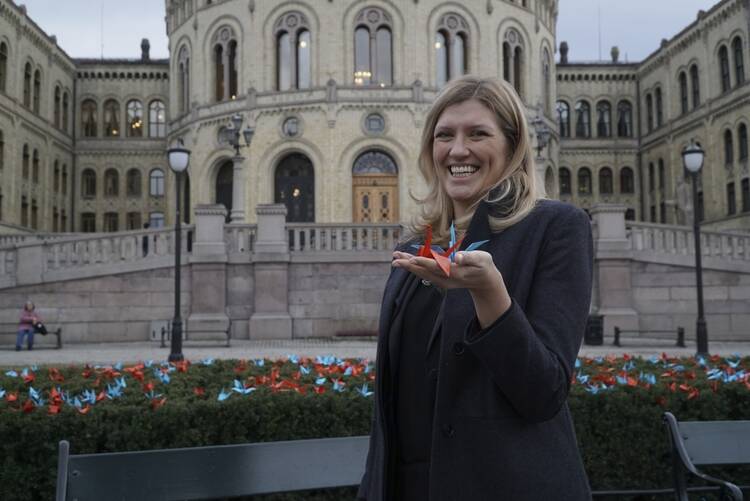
x=604 y=119
x=34 y=214
x=731 y=200
x=25 y=161
x=88 y=222
x=156 y=220
x=627 y=184
x=726 y=83
x=565 y=187
x=111 y=183
x=56 y=177
x=135 y=118
x=24 y=211
x=27 y=85
x=88 y=118
x=65 y=111
x=649 y=113
x=741 y=139
x=563 y=118
x=88 y=183
x=183 y=84
x=739 y=62
x=64 y=183
x=624 y=119
x=513 y=60
x=651 y=183
x=35 y=167
x=373 y=48
x=661 y=175
x=746 y=195
x=683 y=92
x=133 y=221
x=451 y=48
x=111 y=118
x=133 y=182
x=659 y=108
x=58 y=104
x=547 y=78
x=156 y=183
x=696 y=84
x=584 y=181
x=157 y=119
x=37 y=90
x=111 y=220
x=3 y=65
x=2 y=151
x=605 y=181
x=728 y=148
x=583 y=119
x=225 y=64
x=293 y=52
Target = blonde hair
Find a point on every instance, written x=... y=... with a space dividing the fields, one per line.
x=516 y=192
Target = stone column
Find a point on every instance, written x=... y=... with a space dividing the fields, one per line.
x=238 y=190
x=270 y=318
x=613 y=293
x=208 y=317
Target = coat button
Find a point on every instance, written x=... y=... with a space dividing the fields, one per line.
x=458 y=348
x=448 y=430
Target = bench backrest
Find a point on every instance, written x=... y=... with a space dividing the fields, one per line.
x=716 y=442
x=212 y=472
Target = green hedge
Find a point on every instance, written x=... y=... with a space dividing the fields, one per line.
x=617 y=406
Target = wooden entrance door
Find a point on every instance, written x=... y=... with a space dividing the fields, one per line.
x=375 y=199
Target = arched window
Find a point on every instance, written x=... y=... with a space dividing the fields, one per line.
x=156 y=183
x=88 y=183
x=157 y=119
x=133 y=221
x=662 y=184
x=293 y=52
x=111 y=118
x=88 y=222
x=111 y=220
x=627 y=183
x=25 y=160
x=513 y=60
x=58 y=104
x=225 y=63
x=35 y=166
x=605 y=181
x=726 y=83
x=696 y=84
x=624 y=119
x=65 y=111
x=604 y=119
x=64 y=182
x=133 y=183
x=183 y=90
x=565 y=185
x=584 y=181
x=659 y=108
x=728 y=147
x=135 y=118
x=111 y=183
x=563 y=118
x=27 y=85
x=583 y=119
x=741 y=139
x=88 y=118
x=651 y=184
x=547 y=78
x=373 y=48
x=374 y=162
x=683 y=92
x=56 y=177
x=739 y=62
x=451 y=48
x=294 y=187
x=37 y=90
x=3 y=65
x=649 y=113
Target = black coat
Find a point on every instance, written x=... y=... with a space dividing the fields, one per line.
x=502 y=429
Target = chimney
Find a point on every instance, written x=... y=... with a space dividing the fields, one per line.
x=615 y=52
x=145 y=47
x=564 y=52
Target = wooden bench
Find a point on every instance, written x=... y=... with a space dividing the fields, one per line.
x=680 y=332
x=695 y=443
x=53 y=339
x=211 y=472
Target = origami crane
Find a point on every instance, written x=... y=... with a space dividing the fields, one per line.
x=444 y=258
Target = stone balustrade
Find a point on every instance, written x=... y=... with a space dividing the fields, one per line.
x=240 y=238
x=310 y=237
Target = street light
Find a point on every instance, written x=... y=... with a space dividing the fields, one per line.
x=231 y=134
x=179 y=158
x=542 y=134
x=692 y=158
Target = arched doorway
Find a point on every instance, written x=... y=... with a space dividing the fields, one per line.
x=224 y=182
x=375 y=188
x=294 y=186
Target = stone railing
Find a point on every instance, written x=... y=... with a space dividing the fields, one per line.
x=679 y=240
x=347 y=237
x=240 y=238
x=16 y=238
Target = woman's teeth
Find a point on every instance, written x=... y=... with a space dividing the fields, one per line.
x=463 y=170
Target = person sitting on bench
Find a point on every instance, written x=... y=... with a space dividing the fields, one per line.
x=26 y=325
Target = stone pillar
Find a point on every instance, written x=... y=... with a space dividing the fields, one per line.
x=613 y=293
x=208 y=317
x=270 y=318
x=238 y=190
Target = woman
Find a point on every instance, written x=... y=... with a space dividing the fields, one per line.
x=26 y=325
x=473 y=369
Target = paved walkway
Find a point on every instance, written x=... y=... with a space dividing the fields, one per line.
x=107 y=353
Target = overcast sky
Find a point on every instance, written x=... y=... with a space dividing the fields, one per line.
x=636 y=26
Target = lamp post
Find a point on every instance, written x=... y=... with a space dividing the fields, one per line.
x=232 y=136
x=542 y=134
x=178 y=158
x=692 y=158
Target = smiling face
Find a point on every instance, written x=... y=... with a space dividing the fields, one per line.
x=469 y=151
